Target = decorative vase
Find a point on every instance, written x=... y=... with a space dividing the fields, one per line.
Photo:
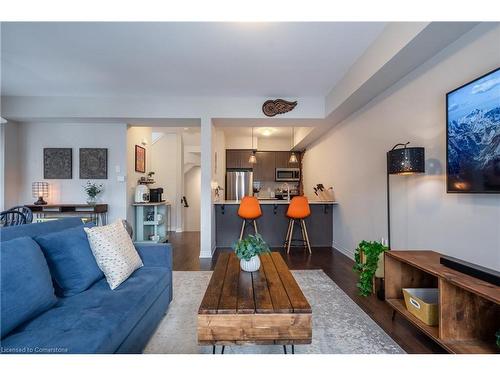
x=91 y=201
x=251 y=265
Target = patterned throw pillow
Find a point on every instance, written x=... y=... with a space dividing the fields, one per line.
x=114 y=252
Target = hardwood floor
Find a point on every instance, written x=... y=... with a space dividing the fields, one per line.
x=336 y=265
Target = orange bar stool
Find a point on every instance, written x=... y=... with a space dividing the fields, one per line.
x=249 y=211
x=298 y=209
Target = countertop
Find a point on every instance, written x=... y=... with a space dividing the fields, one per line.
x=273 y=201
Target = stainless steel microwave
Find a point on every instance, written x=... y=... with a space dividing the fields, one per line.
x=287 y=174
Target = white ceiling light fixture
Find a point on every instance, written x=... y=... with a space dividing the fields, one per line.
x=266 y=132
x=252 y=159
x=293 y=158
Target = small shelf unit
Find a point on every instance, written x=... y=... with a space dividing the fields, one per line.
x=469 y=308
x=151 y=231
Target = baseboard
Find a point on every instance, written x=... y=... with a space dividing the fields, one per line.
x=214 y=247
x=343 y=250
x=206 y=254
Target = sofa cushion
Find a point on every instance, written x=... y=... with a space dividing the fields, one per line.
x=114 y=252
x=26 y=286
x=70 y=260
x=97 y=320
x=37 y=229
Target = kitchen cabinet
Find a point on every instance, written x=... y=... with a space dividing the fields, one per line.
x=264 y=170
x=238 y=159
x=282 y=158
x=267 y=162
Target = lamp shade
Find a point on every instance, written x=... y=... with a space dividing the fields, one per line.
x=40 y=189
x=406 y=160
x=252 y=159
x=293 y=158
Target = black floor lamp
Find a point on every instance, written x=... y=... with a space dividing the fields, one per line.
x=402 y=160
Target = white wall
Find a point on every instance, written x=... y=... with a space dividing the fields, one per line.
x=219 y=162
x=34 y=137
x=10 y=168
x=207 y=221
x=259 y=143
x=164 y=162
x=136 y=135
x=192 y=182
x=241 y=142
x=352 y=158
x=274 y=144
x=300 y=133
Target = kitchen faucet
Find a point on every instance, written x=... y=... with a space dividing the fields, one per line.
x=287 y=190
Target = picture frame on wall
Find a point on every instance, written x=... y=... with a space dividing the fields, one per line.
x=94 y=163
x=472 y=141
x=58 y=163
x=140 y=159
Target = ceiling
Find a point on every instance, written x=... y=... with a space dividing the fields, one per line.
x=181 y=59
x=259 y=132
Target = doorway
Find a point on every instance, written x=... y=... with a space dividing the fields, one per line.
x=173 y=154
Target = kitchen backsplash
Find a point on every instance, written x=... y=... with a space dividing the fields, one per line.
x=268 y=188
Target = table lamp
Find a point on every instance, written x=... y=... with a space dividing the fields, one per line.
x=40 y=190
x=402 y=160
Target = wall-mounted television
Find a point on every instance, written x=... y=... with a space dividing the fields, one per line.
x=473 y=136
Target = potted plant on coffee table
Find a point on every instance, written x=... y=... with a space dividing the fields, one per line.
x=248 y=250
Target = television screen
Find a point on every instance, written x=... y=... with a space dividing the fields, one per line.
x=473 y=136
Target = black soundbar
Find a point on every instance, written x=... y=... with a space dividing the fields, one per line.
x=471 y=269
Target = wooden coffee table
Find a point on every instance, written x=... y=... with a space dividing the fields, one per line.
x=262 y=307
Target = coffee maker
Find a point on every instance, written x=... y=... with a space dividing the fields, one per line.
x=155 y=195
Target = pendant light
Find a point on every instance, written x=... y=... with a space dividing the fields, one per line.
x=252 y=159
x=293 y=158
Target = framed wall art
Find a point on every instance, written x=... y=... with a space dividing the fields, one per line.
x=57 y=163
x=140 y=159
x=94 y=163
x=473 y=136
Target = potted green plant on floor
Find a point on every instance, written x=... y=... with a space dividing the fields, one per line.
x=248 y=250
x=368 y=258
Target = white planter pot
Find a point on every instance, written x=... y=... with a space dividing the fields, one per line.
x=251 y=265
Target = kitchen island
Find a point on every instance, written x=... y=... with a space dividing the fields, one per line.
x=273 y=223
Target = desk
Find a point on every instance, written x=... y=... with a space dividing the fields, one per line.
x=97 y=213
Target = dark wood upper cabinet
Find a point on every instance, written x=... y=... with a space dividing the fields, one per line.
x=232 y=159
x=244 y=156
x=264 y=170
x=267 y=162
x=283 y=157
x=238 y=159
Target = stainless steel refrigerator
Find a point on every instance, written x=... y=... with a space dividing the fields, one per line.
x=238 y=184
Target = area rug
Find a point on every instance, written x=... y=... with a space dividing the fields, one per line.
x=339 y=325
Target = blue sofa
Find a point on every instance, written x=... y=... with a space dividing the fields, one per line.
x=49 y=307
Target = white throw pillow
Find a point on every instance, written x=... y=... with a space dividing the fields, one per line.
x=114 y=252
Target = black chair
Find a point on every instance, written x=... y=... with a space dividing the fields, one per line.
x=28 y=214
x=11 y=218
